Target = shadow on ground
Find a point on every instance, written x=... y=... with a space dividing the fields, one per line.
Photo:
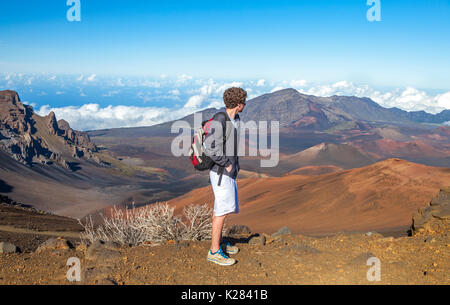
x=5 y=187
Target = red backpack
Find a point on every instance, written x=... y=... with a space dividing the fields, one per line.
x=197 y=154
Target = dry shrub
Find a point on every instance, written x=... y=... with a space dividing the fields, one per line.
x=198 y=222
x=152 y=223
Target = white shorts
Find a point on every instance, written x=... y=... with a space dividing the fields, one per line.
x=226 y=195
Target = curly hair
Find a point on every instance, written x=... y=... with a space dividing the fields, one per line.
x=234 y=96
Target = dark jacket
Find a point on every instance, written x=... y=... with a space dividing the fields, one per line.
x=214 y=145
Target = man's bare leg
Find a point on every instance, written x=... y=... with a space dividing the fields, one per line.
x=216 y=235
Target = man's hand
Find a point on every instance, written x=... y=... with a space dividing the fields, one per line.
x=229 y=168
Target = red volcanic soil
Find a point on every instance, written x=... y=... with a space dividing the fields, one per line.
x=382 y=196
x=388 y=147
x=305 y=121
x=445 y=130
x=341 y=155
x=315 y=170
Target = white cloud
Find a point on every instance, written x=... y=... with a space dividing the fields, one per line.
x=183 y=78
x=197 y=94
x=409 y=98
x=155 y=96
x=111 y=93
x=209 y=90
x=175 y=92
x=30 y=104
x=298 y=83
x=443 y=100
x=278 y=88
x=215 y=104
x=93 y=117
x=195 y=102
x=91 y=78
x=120 y=83
x=221 y=89
x=342 y=84
x=150 y=84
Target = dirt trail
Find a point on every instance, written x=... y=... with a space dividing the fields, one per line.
x=64 y=234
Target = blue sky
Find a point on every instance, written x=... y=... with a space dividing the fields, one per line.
x=318 y=40
x=157 y=60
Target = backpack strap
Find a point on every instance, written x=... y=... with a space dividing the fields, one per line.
x=225 y=137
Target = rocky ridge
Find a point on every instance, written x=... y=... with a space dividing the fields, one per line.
x=30 y=138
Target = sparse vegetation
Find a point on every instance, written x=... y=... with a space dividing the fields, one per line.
x=153 y=223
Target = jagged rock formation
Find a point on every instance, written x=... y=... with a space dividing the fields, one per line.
x=79 y=141
x=30 y=138
x=435 y=217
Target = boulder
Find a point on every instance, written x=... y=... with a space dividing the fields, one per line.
x=103 y=252
x=55 y=244
x=435 y=217
x=6 y=247
x=239 y=230
x=282 y=231
x=259 y=240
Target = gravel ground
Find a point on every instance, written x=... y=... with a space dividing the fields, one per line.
x=289 y=259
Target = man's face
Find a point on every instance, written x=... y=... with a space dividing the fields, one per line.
x=241 y=107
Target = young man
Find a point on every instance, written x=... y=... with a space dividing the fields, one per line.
x=224 y=172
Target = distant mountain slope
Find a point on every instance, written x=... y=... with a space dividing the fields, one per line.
x=341 y=155
x=424 y=117
x=305 y=121
x=365 y=109
x=315 y=170
x=382 y=196
x=415 y=151
x=368 y=110
x=294 y=109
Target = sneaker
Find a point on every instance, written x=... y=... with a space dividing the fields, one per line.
x=229 y=248
x=220 y=258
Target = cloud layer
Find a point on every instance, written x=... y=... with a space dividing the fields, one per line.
x=145 y=101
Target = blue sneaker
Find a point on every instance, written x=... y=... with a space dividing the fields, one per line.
x=220 y=258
